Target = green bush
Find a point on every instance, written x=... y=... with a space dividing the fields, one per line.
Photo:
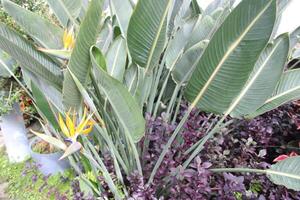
x=29 y=184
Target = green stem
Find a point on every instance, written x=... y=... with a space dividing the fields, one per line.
x=100 y=165
x=169 y=143
x=177 y=108
x=203 y=141
x=238 y=170
x=154 y=88
x=162 y=91
x=173 y=98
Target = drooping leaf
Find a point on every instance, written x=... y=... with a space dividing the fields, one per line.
x=123 y=11
x=51 y=140
x=46 y=33
x=43 y=105
x=288 y=89
x=116 y=59
x=66 y=10
x=80 y=59
x=230 y=56
x=122 y=102
x=147 y=31
x=263 y=79
x=53 y=95
x=30 y=58
x=286 y=173
x=63 y=54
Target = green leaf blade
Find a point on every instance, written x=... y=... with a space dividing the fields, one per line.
x=264 y=78
x=116 y=59
x=223 y=69
x=24 y=51
x=66 y=10
x=46 y=33
x=79 y=62
x=288 y=89
x=122 y=102
x=286 y=173
x=147 y=32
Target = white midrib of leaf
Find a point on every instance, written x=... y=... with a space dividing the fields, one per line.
x=251 y=82
x=132 y=81
x=116 y=58
x=227 y=54
x=294 y=176
x=282 y=94
x=162 y=21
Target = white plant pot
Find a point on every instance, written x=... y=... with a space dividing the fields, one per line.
x=14 y=135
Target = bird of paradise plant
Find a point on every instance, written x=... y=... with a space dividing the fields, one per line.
x=72 y=127
x=68 y=40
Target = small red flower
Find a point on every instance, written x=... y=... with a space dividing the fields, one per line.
x=282 y=157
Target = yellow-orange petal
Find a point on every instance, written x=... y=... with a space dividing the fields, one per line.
x=63 y=126
x=83 y=117
x=70 y=125
x=89 y=128
x=82 y=125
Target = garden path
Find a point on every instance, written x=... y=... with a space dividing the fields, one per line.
x=2 y=185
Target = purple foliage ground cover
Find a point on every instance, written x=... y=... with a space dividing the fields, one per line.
x=252 y=144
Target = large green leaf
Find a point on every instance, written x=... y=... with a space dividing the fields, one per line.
x=288 y=89
x=122 y=102
x=263 y=79
x=286 y=173
x=47 y=34
x=24 y=52
x=53 y=95
x=230 y=56
x=43 y=105
x=123 y=11
x=66 y=10
x=147 y=32
x=9 y=62
x=80 y=59
x=116 y=59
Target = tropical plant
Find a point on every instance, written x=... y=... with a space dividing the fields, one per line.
x=129 y=60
